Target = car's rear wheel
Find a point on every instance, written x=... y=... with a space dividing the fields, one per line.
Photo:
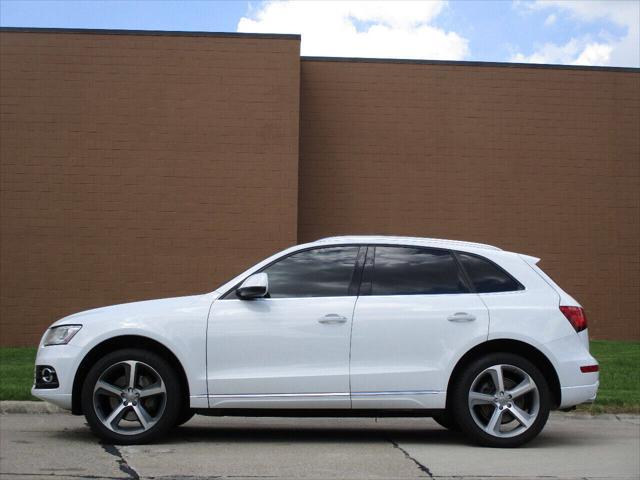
x=131 y=396
x=501 y=400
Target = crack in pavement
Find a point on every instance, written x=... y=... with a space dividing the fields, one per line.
x=122 y=463
x=423 y=468
x=62 y=475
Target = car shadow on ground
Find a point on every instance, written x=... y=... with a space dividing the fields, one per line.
x=265 y=433
x=308 y=434
x=279 y=434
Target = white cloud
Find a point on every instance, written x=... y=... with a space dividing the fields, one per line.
x=550 y=20
x=607 y=50
x=622 y=12
x=574 y=52
x=384 y=29
x=594 y=54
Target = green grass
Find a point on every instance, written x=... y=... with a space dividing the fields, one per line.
x=619 y=375
x=16 y=373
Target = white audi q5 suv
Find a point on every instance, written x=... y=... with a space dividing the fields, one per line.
x=478 y=338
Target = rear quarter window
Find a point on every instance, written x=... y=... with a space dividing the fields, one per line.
x=486 y=276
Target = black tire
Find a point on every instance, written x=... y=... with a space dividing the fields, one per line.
x=446 y=420
x=186 y=415
x=537 y=401
x=168 y=403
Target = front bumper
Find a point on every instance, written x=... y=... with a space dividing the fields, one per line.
x=62 y=400
x=65 y=360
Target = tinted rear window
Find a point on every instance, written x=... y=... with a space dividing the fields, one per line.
x=415 y=271
x=486 y=276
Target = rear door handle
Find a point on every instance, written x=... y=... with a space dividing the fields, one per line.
x=461 y=317
x=332 y=319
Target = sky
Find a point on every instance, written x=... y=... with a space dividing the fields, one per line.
x=584 y=32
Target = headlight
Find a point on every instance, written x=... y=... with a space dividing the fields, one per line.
x=61 y=335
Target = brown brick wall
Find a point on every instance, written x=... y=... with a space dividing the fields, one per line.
x=539 y=161
x=139 y=166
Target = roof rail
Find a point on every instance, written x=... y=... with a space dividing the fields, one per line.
x=425 y=240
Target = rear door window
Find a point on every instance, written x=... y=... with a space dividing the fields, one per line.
x=415 y=271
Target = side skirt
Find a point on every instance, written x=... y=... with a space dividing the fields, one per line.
x=340 y=413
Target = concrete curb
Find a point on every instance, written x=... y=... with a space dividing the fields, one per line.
x=621 y=417
x=13 y=406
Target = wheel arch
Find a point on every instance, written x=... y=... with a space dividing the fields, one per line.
x=516 y=347
x=117 y=343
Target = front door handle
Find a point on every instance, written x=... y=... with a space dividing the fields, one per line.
x=461 y=317
x=332 y=319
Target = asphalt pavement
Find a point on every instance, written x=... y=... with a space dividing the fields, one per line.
x=572 y=446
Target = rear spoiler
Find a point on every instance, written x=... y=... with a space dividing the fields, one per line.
x=529 y=259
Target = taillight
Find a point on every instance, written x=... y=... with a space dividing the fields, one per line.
x=576 y=317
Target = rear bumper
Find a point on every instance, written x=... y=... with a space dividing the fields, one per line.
x=568 y=354
x=572 y=396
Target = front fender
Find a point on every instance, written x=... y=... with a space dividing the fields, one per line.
x=178 y=324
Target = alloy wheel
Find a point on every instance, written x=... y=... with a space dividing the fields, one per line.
x=129 y=397
x=504 y=401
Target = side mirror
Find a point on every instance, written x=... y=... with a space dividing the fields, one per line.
x=256 y=286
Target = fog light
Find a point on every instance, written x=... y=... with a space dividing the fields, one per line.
x=48 y=374
x=46 y=377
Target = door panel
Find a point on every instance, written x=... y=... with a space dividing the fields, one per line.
x=406 y=344
x=282 y=352
x=290 y=350
x=413 y=319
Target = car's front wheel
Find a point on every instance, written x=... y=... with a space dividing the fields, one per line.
x=185 y=415
x=131 y=396
x=501 y=400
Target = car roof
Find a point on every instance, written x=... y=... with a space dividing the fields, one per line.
x=388 y=239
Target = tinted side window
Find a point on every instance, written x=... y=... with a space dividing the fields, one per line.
x=486 y=276
x=322 y=272
x=415 y=271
